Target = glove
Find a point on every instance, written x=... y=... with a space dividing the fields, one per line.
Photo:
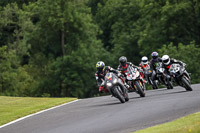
x=167 y=76
x=139 y=69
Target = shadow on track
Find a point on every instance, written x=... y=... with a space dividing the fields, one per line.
x=113 y=103
x=169 y=93
x=135 y=97
x=105 y=104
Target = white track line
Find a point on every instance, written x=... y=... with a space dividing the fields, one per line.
x=37 y=113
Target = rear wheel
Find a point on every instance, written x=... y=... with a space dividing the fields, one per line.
x=186 y=84
x=119 y=94
x=139 y=89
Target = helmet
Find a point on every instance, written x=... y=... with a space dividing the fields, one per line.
x=144 y=60
x=166 y=59
x=100 y=66
x=123 y=60
x=154 y=55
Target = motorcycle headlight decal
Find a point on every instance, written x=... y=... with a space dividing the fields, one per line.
x=115 y=81
x=134 y=77
x=129 y=78
x=161 y=70
x=109 y=84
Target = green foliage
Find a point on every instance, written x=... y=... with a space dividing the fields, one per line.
x=59 y=66
x=189 y=54
x=19 y=2
x=15 y=81
x=186 y=124
x=168 y=21
x=73 y=75
x=117 y=19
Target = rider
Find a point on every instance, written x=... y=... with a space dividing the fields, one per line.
x=155 y=60
x=144 y=63
x=101 y=72
x=167 y=62
x=124 y=65
x=154 y=63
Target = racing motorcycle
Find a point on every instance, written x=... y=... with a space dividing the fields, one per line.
x=135 y=81
x=148 y=75
x=161 y=77
x=116 y=87
x=180 y=76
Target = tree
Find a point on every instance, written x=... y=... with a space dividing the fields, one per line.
x=168 y=21
x=63 y=33
x=19 y=2
x=117 y=19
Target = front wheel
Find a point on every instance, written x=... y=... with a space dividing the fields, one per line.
x=119 y=94
x=155 y=85
x=126 y=95
x=169 y=85
x=139 y=89
x=186 y=84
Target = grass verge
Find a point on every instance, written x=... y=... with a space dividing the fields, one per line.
x=12 y=108
x=187 y=124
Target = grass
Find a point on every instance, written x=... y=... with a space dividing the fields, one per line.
x=187 y=124
x=12 y=108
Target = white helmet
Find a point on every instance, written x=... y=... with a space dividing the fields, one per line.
x=166 y=59
x=144 y=60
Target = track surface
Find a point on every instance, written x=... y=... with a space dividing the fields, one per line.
x=107 y=115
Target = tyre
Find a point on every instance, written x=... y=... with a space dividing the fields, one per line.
x=119 y=94
x=186 y=84
x=126 y=96
x=155 y=85
x=139 y=89
x=169 y=85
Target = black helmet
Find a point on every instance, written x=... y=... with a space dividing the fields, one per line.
x=123 y=60
x=154 y=55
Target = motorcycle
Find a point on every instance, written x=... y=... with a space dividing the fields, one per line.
x=148 y=75
x=162 y=78
x=180 y=76
x=116 y=87
x=135 y=81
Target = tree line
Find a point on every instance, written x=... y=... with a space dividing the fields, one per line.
x=50 y=47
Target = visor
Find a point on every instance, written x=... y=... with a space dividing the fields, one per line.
x=144 y=61
x=123 y=64
x=155 y=57
x=100 y=69
x=165 y=61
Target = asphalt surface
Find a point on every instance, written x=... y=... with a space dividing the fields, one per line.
x=107 y=115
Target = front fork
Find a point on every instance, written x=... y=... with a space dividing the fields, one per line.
x=179 y=79
x=121 y=84
x=134 y=86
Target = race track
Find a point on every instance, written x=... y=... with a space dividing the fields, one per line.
x=107 y=115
